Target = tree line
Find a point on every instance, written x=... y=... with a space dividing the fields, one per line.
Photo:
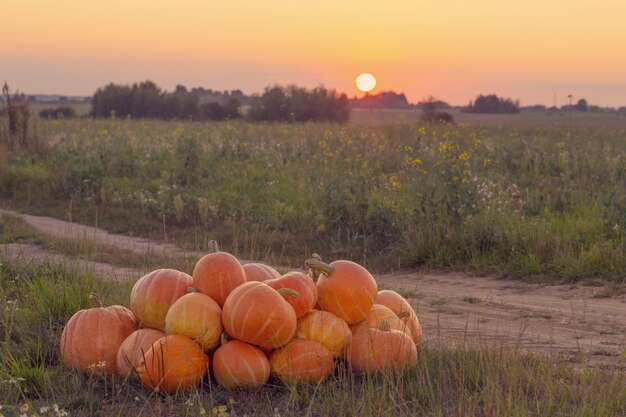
x=277 y=103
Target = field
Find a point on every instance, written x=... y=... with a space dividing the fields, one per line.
x=537 y=206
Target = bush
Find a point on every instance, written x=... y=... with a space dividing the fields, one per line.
x=63 y=112
x=492 y=104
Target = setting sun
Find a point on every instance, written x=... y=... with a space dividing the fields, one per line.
x=365 y=82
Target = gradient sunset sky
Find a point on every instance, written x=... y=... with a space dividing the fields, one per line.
x=531 y=50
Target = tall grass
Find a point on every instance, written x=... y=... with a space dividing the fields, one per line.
x=512 y=201
x=464 y=380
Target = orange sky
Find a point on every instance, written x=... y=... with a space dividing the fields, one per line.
x=452 y=49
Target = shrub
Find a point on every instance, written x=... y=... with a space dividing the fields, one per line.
x=63 y=112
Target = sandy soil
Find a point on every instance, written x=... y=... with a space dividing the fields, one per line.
x=584 y=324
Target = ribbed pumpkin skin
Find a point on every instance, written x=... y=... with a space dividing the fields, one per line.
x=154 y=293
x=327 y=329
x=400 y=306
x=197 y=316
x=217 y=274
x=348 y=293
x=303 y=285
x=173 y=362
x=257 y=314
x=373 y=350
x=260 y=272
x=377 y=315
x=238 y=364
x=302 y=360
x=93 y=336
x=134 y=347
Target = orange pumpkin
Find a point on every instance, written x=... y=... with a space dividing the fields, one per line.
x=173 y=362
x=259 y=272
x=134 y=347
x=381 y=350
x=303 y=285
x=325 y=328
x=257 y=314
x=91 y=338
x=345 y=288
x=197 y=316
x=376 y=317
x=239 y=364
x=403 y=310
x=154 y=293
x=302 y=360
x=217 y=274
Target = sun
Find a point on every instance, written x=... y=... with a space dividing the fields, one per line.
x=365 y=82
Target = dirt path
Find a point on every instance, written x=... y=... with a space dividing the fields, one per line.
x=586 y=324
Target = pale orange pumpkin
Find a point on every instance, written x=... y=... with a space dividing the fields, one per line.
x=403 y=310
x=238 y=364
x=134 y=347
x=302 y=361
x=154 y=293
x=91 y=338
x=257 y=314
x=345 y=288
x=378 y=315
x=217 y=274
x=173 y=362
x=325 y=328
x=256 y=271
x=197 y=316
x=303 y=285
x=381 y=350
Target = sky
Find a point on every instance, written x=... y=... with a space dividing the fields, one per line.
x=536 y=51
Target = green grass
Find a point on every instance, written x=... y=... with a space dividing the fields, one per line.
x=464 y=380
x=511 y=201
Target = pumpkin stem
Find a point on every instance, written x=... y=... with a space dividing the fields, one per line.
x=318 y=266
x=313 y=274
x=191 y=290
x=95 y=300
x=213 y=246
x=384 y=326
x=288 y=291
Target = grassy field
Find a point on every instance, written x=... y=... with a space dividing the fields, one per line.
x=511 y=201
x=463 y=380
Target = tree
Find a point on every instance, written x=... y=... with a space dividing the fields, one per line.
x=492 y=104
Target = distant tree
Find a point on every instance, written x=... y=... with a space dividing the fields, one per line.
x=581 y=105
x=383 y=100
x=431 y=115
x=299 y=104
x=492 y=104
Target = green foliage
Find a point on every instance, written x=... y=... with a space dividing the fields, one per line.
x=510 y=201
x=62 y=112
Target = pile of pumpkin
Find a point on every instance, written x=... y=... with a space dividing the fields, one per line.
x=248 y=322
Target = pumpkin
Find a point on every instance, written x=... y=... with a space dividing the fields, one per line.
x=132 y=350
x=258 y=314
x=217 y=274
x=197 y=316
x=325 y=328
x=303 y=285
x=239 y=364
x=154 y=293
x=381 y=350
x=403 y=310
x=259 y=272
x=173 y=362
x=91 y=338
x=344 y=288
x=302 y=360
x=377 y=315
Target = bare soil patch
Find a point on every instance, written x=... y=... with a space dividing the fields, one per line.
x=585 y=324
